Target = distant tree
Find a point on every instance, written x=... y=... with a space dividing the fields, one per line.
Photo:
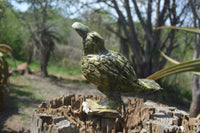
x=146 y=58
x=10 y=33
x=2 y=8
x=39 y=22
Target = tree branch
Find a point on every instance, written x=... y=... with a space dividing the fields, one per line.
x=135 y=44
x=148 y=33
x=157 y=12
x=161 y=17
x=38 y=43
x=113 y=31
x=149 y=12
x=194 y=10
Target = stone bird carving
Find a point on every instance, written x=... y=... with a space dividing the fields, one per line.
x=108 y=70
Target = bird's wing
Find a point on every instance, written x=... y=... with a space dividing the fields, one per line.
x=114 y=67
x=119 y=65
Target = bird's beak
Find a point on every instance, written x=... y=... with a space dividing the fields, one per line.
x=81 y=29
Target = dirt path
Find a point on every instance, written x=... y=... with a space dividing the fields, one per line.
x=27 y=92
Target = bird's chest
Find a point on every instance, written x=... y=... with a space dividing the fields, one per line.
x=89 y=64
x=91 y=68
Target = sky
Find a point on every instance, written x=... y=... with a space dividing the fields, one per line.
x=21 y=7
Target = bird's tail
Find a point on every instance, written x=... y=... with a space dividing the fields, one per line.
x=149 y=85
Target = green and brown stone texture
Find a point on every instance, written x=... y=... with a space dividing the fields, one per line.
x=108 y=70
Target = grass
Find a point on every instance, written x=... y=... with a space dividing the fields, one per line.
x=24 y=94
x=67 y=70
x=24 y=117
x=53 y=67
x=13 y=63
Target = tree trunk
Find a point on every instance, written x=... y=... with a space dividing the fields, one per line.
x=195 y=105
x=30 y=53
x=66 y=114
x=124 y=48
x=44 y=59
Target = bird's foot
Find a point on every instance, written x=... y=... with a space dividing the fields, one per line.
x=105 y=108
x=113 y=99
x=110 y=104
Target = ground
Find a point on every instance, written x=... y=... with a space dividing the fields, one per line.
x=28 y=91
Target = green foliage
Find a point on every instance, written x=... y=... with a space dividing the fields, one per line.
x=43 y=21
x=65 y=70
x=13 y=63
x=2 y=8
x=184 y=49
x=175 y=93
x=12 y=35
x=70 y=68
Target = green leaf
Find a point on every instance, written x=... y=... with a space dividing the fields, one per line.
x=7 y=46
x=174 y=61
x=188 y=29
x=169 y=59
x=197 y=73
x=186 y=66
x=6 y=49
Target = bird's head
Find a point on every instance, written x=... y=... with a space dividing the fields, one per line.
x=93 y=42
x=81 y=29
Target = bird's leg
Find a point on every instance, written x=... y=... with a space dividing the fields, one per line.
x=107 y=108
x=113 y=99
